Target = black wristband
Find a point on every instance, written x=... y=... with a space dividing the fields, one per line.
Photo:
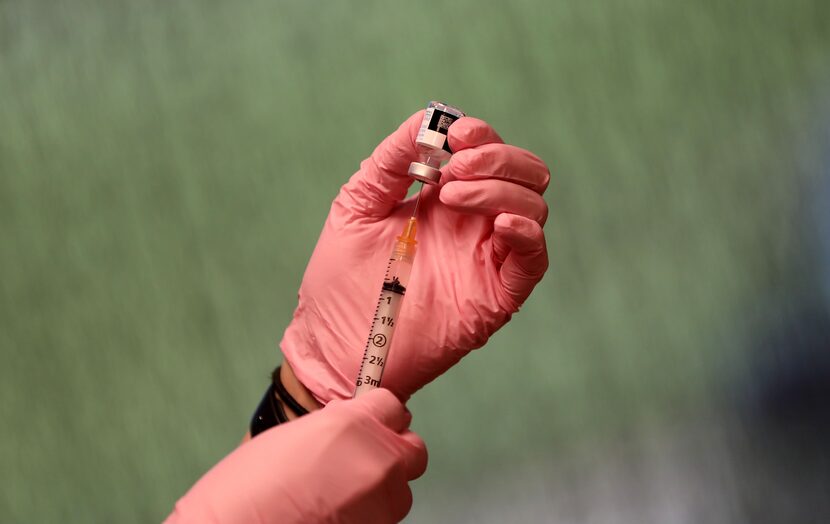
x=290 y=401
x=268 y=414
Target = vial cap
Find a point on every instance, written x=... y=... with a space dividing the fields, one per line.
x=424 y=173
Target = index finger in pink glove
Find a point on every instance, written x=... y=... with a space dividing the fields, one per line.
x=491 y=157
x=383 y=406
x=469 y=132
x=501 y=161
x=386 y=408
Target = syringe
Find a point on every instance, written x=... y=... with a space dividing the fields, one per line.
x=389 y=305
x=433 y=149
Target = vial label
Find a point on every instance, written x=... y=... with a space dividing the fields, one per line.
x=434 y=127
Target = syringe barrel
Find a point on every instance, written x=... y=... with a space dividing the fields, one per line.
x=400 y=267
x=385 y=318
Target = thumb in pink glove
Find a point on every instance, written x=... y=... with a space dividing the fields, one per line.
x=349 y=462
x=481 y=251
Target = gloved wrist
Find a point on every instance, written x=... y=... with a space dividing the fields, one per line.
x=297 y=390
x=315 y=375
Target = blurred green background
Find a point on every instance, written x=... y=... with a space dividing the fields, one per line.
x=166 y=166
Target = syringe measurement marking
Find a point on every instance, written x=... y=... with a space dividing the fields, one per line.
x=381 y=331
x=369 y=380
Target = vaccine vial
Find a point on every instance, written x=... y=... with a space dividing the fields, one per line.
x=431 y=143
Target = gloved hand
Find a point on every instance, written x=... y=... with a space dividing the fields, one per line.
x=349 y=462
x=481 y=250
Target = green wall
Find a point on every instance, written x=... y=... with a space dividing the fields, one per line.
x=165 y=168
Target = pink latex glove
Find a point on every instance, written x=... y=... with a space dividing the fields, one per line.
x=349 y=462
x=481 y=251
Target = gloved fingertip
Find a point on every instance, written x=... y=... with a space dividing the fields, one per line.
x=520 y=233
x=469 y=132
x=417 y=455
x=384 y=406
x=413 y=124
x=448 y=195
x=398 y=149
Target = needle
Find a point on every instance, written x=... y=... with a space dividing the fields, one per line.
x=418 y=201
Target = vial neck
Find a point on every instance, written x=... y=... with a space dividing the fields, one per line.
x=430 y=159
